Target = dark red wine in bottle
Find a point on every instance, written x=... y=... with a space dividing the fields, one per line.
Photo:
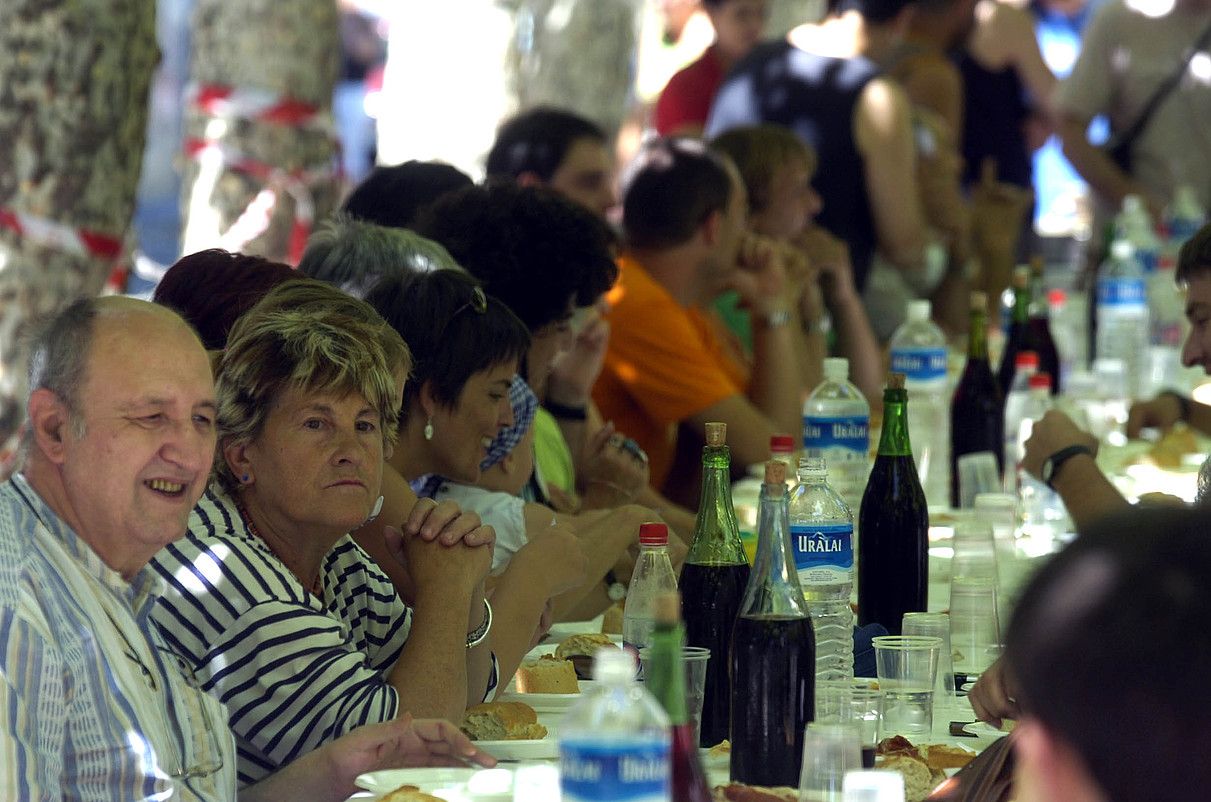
x=893 y=566
x=711 y=597
x=774 y=665
x=1040 y=326
x=713 y=580
x=977 y=415
x=773 y=662
x=689 y=782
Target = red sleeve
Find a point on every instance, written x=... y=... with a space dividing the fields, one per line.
x=686 y=100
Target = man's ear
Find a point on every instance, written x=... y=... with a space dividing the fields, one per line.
x=49 y=422
x=426 y=399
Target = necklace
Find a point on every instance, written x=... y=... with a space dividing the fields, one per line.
x=316 y=588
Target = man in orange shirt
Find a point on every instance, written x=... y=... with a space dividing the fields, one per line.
x=670 y=365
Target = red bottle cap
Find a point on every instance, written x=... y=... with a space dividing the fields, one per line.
x=781 y=444
x=1026 y=359
x=653 y=534
x=1042 y=379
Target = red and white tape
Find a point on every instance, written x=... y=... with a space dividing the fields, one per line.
x=76 y=240
x=252 y=103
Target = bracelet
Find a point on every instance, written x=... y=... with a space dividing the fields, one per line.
x=1183 y=404
x=481 y=632
x=565 y=412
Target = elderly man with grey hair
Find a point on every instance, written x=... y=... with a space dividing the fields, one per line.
x=94 y=706
x=355 y=255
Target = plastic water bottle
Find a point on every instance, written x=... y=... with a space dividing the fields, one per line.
x=653 y=576
x=614 y=741
x=822 y=529
x=918 y=350
x=1134 y=224
x=1026 y=365
x=836 y=426
x=1122 y=314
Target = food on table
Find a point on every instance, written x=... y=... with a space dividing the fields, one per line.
x=739 y=792
x=547 y=675
x=611 y=621
x=721 y=749
x=409 y=793
x=580 y=650
x=502 y=721
x=923 y=767
x=1169 y=451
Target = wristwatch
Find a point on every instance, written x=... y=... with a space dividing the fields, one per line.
x=614 y=589
x=1056 y=460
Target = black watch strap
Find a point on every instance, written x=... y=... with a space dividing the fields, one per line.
x=1053 y=463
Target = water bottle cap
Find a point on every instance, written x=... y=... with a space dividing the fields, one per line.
x=1026 y=359
x=1056 y=297
x=781 y=444
x=1122 y=249
x=1041 y=379
x=1132 y=204
x=653 y=534
x=836 y=368
x=613 y=665
x=919 y=310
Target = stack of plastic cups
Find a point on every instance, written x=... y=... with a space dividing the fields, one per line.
x=1000 y=511
x=975 y=630
x=937 y=625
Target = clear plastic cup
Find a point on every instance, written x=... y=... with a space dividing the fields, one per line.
x=695 y=659
x=908 y=671
x=829 y=752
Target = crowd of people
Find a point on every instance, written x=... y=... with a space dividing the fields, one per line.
x=281 y=525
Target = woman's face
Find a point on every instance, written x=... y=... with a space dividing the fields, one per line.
x=318 y=463
x=462 y=433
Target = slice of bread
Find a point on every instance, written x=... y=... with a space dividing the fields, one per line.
x=502 y=721
x=918 y=779
x=547 y=675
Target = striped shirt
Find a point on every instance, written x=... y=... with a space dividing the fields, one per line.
x=295 y=670
x=93 y=706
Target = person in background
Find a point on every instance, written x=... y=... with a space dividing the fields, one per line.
x=355 y=254
x=1128 y=51
x=557 y=149
x=395 y=196
x=777 y=167
x=212 y=288
x=824 y=82
x=116 y=453
x=1110 y=639
x=267 y=600
x=685 y=104
x=670 y=366
x=1064 y=456
x=458 y=420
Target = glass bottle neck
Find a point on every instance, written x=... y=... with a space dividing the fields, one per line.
x=893 y=442
x=665 y=677
x=977 y=337
x=773 y=587
x=1021 y=305
x=716 y=531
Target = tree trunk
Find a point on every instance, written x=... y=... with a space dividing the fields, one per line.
x=74 y=78
x=254 y=178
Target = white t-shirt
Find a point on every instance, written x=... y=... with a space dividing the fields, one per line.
x=501 y=511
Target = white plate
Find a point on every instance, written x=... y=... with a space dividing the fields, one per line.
x=543 y=702
x=455 y=785
x=545 y=749
x=565 y=629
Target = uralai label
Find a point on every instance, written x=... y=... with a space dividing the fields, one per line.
x=919 y=364
x=631 y=771
x=851 y=433
x=824 y=553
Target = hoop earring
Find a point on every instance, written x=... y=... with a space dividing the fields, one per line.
x=429 y=429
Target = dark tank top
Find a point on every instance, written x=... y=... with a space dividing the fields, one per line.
x=814 y=96
x=995 y=112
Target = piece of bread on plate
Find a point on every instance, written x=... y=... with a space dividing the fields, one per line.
x=943 y=756
x=547 y=675
x=585 y=645
x=502 y=721
x=409 y=793
x=611 y=620
x=739 y=792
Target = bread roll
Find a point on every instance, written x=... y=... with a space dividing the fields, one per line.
x=586 y=644
x=502 y=721
x=547 y=675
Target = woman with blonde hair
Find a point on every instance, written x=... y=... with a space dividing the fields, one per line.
x=269 y=602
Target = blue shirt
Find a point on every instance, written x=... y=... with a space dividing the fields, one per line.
x=92 y=704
